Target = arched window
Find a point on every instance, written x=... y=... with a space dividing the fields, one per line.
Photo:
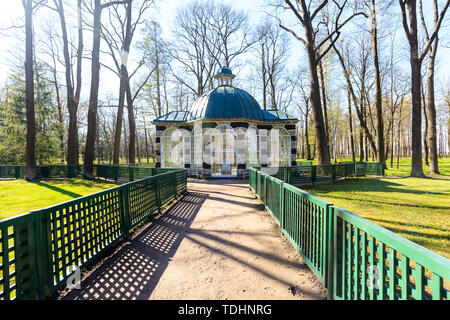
x=263 y=135
x=223 y=151
x=186 y=146
x=252 y=147
x=197 y=147
x=279 y=148
x=172 y=149
x=241 y=145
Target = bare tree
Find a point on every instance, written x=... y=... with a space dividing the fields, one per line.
x=229 y=33
x=430 y=103
x=192 y=49
x=272 y=50
x=358 y=70
x=416 y=59
x=73 y=88
x=29 y=6
x=305 y=109
x=378 y=94
x=316 y=50
x=119 y=36
x=89 y=151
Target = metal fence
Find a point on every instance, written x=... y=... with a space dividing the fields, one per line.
x=42 y=172
x=351 y=256
x=311 y=174
x=39 y=249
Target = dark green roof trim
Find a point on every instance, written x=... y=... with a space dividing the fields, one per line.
x=275 y=115
x=175 y=116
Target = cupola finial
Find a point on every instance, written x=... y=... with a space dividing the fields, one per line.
x=225 y=77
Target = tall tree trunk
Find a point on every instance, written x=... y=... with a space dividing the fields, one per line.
x=72 y=97
x=350 y=123
x=30 y=153
x=60 y=115
x=324 y=101
x=425 y=135
x=416 y=122
x=123 y=84
x=448 y=127
x=264 y=71
x=89 y=151
x=131 y=125
x=323 y=154
x=434 y=166
x=399 y=126
x=378 y=89
x=308 y=149
x=146 y=140
x=392 y=138
x=119 y=117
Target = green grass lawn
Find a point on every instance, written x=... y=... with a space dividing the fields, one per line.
x=404 y=167
x=20 y=196
x=417 y=209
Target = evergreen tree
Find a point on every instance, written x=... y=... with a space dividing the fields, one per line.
x=13 y=119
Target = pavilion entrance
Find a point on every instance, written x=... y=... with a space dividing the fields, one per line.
x=223 y=152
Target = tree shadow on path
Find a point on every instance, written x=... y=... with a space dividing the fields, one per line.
x=133 y=271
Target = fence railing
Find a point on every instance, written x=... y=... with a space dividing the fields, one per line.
x=351 y=256
x=40 y=249
x=42 y=172
x=118 y=173
x=306 y=173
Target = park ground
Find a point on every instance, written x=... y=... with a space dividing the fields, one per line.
x=416 y=209
x=20 y=196
x=404 y=166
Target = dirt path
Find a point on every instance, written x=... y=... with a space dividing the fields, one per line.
x=216 y=242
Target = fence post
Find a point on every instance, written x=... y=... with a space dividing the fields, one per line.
x=158 y=192
x=131 y=173
x=17 y=172
x=330 y=251
x=174 y=183
x=333 y=172
x=313 y=174
x=125 y=211
x=282 y=223
x=265 y=189
x=40 y=259
x=288 y=175
x=115 y=173
x=45 y=172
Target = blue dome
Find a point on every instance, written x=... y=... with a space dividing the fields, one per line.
x=226 y=102
x=224 y=70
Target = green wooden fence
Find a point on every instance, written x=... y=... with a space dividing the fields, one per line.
x=117 y=173
x=311 y=174
x=42 y=172
x=39 y=249
x=351 y=256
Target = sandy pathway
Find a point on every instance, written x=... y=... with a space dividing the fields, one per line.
x=233 y=250
x=215 y=242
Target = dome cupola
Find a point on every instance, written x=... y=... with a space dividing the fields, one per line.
x=225 y=77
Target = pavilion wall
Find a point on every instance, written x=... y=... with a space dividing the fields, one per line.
x=241 y=164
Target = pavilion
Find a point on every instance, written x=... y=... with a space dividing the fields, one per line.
x=224 y=133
